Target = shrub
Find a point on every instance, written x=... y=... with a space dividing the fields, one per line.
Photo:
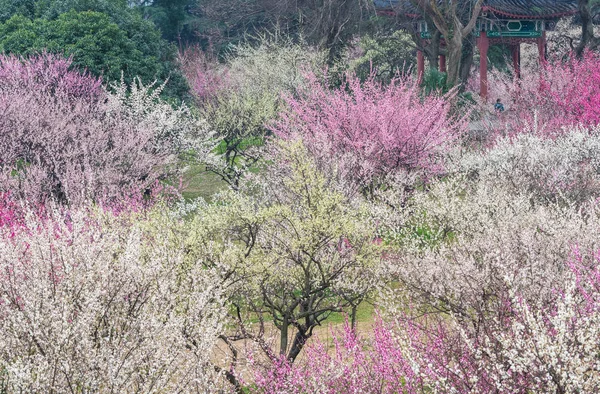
x=276 y=64
x=106 y=38
x=549 y=98
x=354 y=365
x=249 y=98
x=434 y=81
x=383 y=56
x=473 y=237
x=294 y=249
x=206 y=77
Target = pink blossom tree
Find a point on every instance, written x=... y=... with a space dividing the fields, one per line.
x=373 y=129
x=545 y=99
x=534 y=347
x=242 y=95
x=63 y=137
x=574 y=86
x=206 y=77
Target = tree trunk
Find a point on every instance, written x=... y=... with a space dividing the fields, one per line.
x=466 y=63
x=299 y=342
x=283 y=336
x=432 y=51
x=448 y=21
x=587 y=28
x=453 y=59
x=354 y=317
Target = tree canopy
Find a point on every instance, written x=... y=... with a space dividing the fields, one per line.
x=105 y=37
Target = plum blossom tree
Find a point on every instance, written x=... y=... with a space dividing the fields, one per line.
x=548 y=100
x=96 y=301
x=548 y=347
x=294 y=249
x=63 y=137
x=206 y=77
x=354 y=364
x=564 y=168
x=479 y=298
x=242 y=97
x=463 y=241
x=373 y=129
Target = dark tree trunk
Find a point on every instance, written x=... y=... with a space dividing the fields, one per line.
x=466 y=63
x=354 y=307
x=283 y=336
x=454 y=59
x=299 y=342
x=432 y=51
x=587 y=28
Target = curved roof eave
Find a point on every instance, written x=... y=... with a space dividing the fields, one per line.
x=530 y=16
x=518 y=9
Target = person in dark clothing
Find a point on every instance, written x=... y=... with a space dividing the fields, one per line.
x=498 y=107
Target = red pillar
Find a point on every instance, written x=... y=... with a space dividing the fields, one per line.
x=516 y=58
x=420 y=66
x=541 y=43
x=443 y=63
x=483 y=43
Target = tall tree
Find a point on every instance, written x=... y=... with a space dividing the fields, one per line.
x=9 y=8
x=294 y=252
x=455 y=20
x=588 y=40
x=328 y=24
x=172 y=18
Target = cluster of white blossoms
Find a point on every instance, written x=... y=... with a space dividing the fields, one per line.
x=566 y=167
x=102 y=302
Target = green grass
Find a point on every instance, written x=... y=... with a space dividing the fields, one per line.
x=197 y=182
x=364 y=313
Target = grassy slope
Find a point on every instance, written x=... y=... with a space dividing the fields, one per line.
x=197 y=182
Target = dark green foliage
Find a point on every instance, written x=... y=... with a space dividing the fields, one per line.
x=173 y=19
x=117 y=10
x=104 y=36
x=499 y=57
x=9 y=8
x=385 y=56
x=434 y=81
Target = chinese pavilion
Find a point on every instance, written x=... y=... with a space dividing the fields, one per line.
x=508 y=22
